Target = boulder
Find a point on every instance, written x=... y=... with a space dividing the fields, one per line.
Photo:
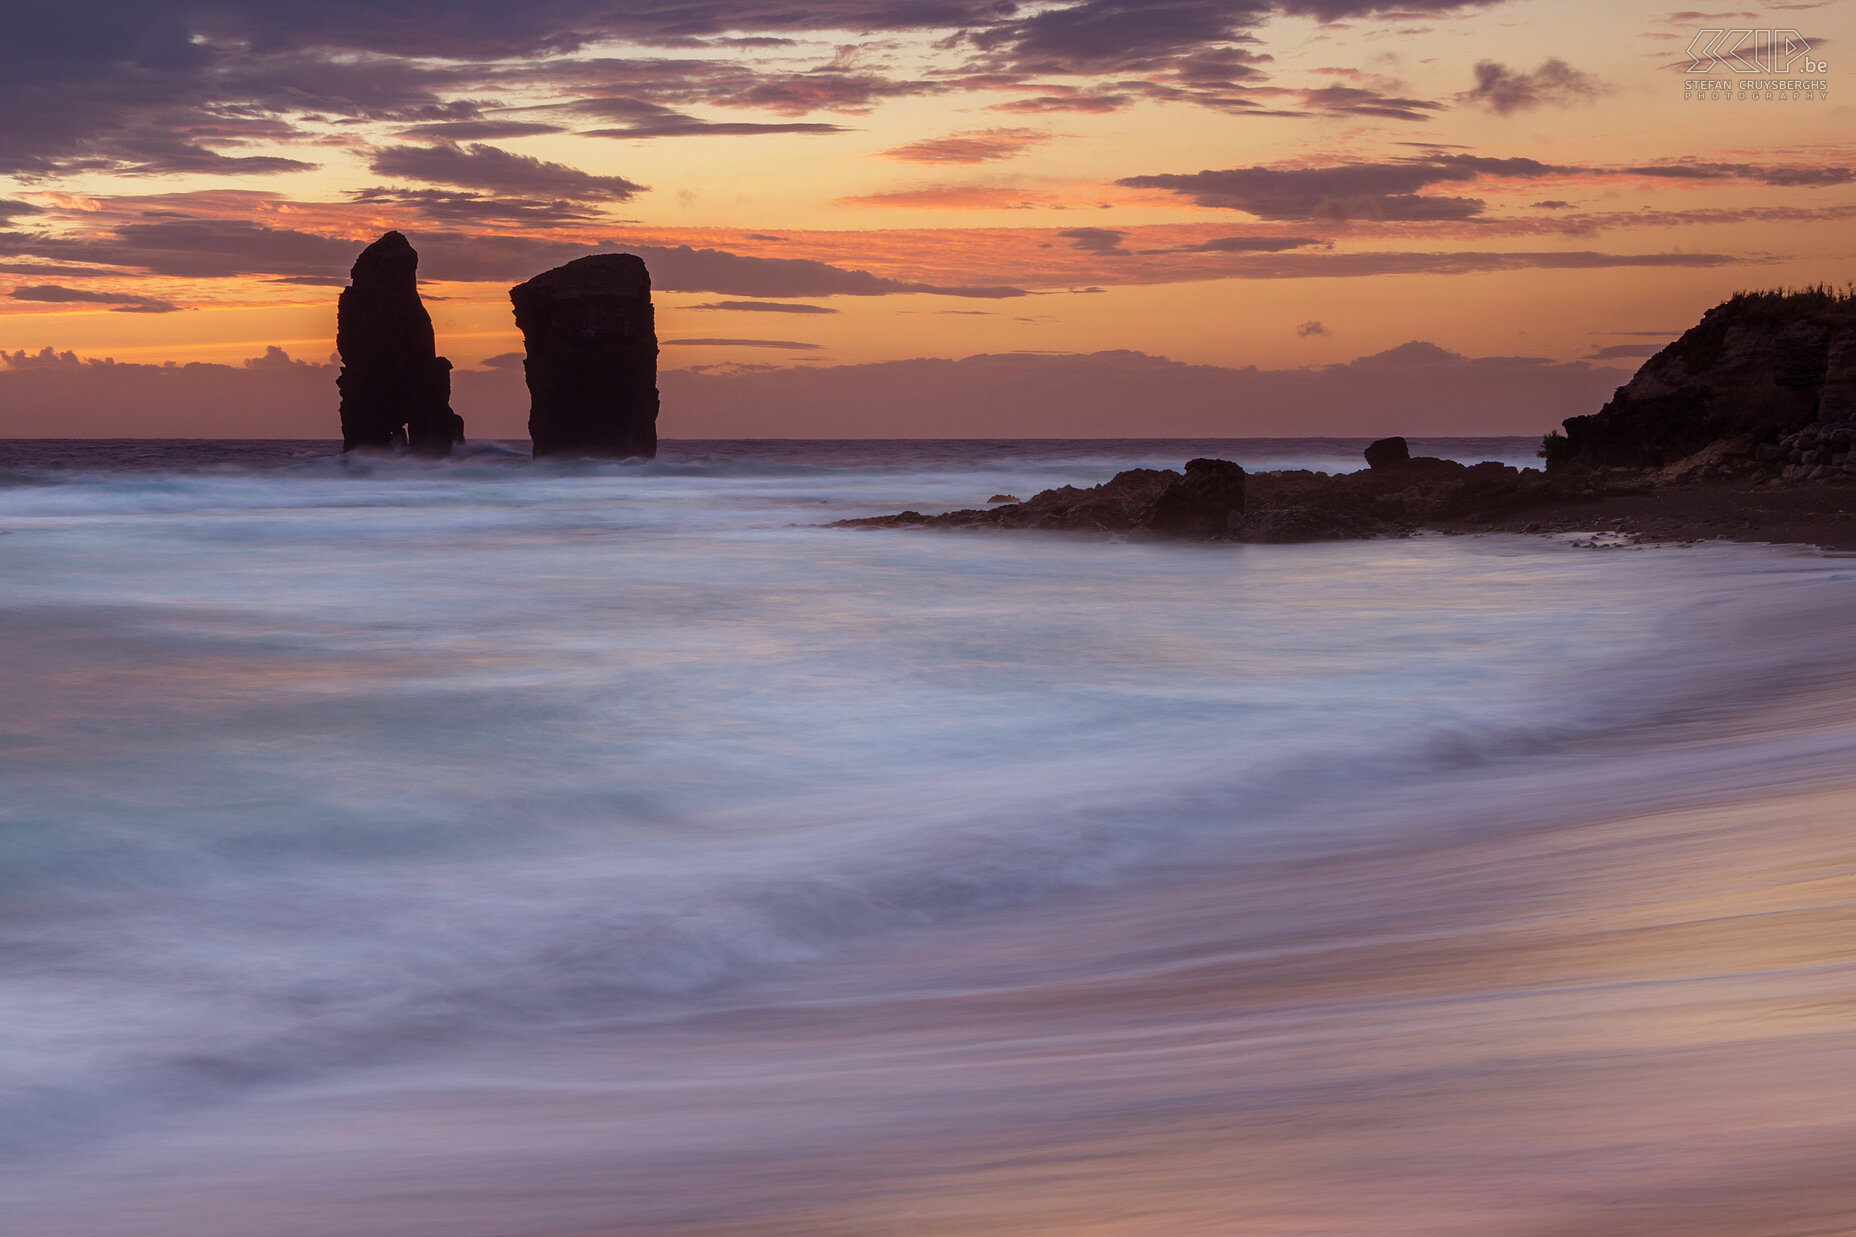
x=1207 y=502
x=1388 y=453
x=592 y=357
x=396 y=389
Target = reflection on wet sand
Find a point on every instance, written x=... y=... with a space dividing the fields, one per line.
x=1563 y=1024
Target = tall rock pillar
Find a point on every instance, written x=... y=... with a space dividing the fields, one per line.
x=592 y=357
x=396 y=389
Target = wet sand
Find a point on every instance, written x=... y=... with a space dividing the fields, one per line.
x=1809 y=513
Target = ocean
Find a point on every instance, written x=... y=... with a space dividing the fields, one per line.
x=484 y=847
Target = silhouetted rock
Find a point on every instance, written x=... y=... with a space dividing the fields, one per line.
x=1114 y=506
x=1388 y=453
x=592 y=357
x=1216 y=500
x=1207 y=502
x=1752 y=364
x=396 y=389
x=1836 y=400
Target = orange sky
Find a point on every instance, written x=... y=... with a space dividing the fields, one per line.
x=1220 y=184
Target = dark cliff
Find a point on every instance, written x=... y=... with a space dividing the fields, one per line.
x=1753 y=365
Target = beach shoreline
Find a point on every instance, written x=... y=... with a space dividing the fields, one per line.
x=1538 y=1017
x=1820 y=515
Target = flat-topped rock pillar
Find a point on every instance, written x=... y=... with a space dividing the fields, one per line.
x=591 y=338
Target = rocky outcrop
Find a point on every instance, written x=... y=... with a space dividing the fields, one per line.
x=1206 y=503
x=592 y=357
x=1216 y=500
x=1115 y=506
x=396 y=389
x=1753 y=364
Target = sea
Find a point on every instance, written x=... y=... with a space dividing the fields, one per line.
x=499 y=848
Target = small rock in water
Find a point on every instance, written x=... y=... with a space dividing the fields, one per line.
x=1388 y=453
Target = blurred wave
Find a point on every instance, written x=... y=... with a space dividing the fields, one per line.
x=309 y=778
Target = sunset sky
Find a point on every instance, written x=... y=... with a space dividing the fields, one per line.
x=1521 y=187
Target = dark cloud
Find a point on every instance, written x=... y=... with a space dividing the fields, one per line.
x=479 y=130
x=691 y=127
x=123 y=303
x=1404 y=262
x=1806 y=176
x=1503 y=90
x=641 y=119
x=1796 y=177
x=1097 y=240
x=465 y=209
x=196 y=248
x=478 y=166
x=1103 y=36
x=46 y=271
x=1340 y=10
x=683 y=269
x=1381 y=191
x=164 y=86
x=766 y=307
x=787 y=344
x=213 y=249
x=1614 y=352
x=1217 y=68
x=798 y=93
x=957 y=197
x=1310 y=328
x=973 y=146
x=462 y=29
x=10 y=210
x=128 y=87
x=1244 y=244
x=1550 y=204
x=1352 y=101
x=1199 y=48
x=1079 y=102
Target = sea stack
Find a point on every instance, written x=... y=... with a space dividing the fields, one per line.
x=396 y=389
x=592 y=357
